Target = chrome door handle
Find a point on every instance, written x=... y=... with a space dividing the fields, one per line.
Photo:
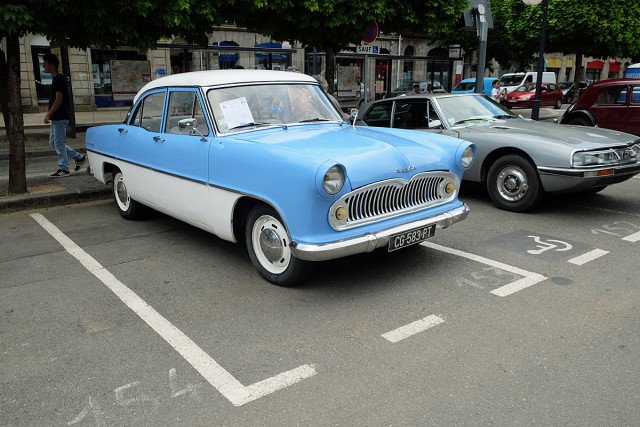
x=158 y=139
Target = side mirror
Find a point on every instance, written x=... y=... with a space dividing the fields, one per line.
x=435 y=124
x=190 y=125
x=187 y=125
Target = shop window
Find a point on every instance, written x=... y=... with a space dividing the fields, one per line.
x=102 y=79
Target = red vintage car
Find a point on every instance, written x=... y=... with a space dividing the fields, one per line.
x=612 y=104
x=523 y=96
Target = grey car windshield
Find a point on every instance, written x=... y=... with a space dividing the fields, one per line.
x=463 y=109
x=239 y=108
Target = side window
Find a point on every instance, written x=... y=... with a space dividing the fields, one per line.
x=152 y=112
x=135 y=117
x=635 y=94
x=612 y=95
x=379 y=115
x=185 y=105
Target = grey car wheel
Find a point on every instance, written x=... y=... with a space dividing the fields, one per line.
x=513 y=184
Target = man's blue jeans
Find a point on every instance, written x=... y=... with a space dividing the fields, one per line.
x=58 y=140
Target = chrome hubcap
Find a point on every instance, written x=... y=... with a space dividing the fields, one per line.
x=270 y=245
x=512 y=183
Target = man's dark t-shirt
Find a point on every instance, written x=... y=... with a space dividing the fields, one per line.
x=59 y=84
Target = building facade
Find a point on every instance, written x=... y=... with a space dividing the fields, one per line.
x=388 y=65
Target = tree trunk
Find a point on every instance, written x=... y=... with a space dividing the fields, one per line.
x=330 y=70
x=577 y=78
x=14 y=121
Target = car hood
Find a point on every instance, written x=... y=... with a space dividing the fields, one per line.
x=577 y=137
x=368 y=154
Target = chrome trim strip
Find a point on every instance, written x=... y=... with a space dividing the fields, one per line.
x=618 y=170
x=197 y=181
x=370 y=241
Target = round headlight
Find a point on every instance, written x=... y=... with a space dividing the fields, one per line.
x=333 y=180
x=467 y=157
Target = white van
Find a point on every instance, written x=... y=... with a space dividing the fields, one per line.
x=510 y=81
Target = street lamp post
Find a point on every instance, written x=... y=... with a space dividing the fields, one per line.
x=535 y=105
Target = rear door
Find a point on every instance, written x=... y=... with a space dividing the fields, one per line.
x=611 y=108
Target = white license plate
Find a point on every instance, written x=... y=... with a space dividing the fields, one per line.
x=411 y=237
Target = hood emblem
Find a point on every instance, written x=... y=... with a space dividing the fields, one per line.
x=402 y=170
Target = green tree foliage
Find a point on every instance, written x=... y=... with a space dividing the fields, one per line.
x=584 y=27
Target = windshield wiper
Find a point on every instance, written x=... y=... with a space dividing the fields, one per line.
x=247 y=125
x=317 y=119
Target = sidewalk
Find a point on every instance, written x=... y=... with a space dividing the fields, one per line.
x=41 y=161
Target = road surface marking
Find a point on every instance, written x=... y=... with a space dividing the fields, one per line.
x=529 y=278
x=215 y=374
x=589 y=256
x=412 y=328
x=632 y=237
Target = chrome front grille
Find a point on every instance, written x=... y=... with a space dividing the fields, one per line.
x=626 y=155
x=392 y=197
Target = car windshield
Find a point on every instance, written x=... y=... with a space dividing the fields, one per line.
x=529 y=87
x=238 y=108
x=465 y=109
x=465 y=86
x=565 y=85
x=511 y=80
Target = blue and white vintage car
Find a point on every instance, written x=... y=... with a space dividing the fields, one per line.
x=265 y=158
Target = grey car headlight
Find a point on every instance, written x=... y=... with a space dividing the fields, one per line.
x=333 y=180
x=595 y=158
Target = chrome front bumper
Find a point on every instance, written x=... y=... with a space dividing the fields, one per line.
x=371 y=241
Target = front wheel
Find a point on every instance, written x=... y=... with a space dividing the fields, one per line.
x=128 y=208
x=513 y=184
x=269 y=248
x=579 y=121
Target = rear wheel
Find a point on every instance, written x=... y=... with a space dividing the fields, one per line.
x=558 y=104
x=513 y=184
x=128 y=208
x=269 y=248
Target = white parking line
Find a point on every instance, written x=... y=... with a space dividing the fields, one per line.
x=529 y=278
x=589 y=256
x=632 y=237
x=215 y=374
x=412 y=328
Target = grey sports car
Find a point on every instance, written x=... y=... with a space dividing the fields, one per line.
x=518 y=160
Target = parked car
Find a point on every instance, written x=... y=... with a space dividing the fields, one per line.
x=518 y=160
x=611 y=104
x=510 y=81
x=469 y=86
x=263 y=157
x=523 y=96
x=568 y=89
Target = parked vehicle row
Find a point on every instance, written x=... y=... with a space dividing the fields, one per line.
x=264 y=158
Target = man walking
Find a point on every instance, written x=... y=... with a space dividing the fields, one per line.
x=58 y=115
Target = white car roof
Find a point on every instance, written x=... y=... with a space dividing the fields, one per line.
x=223 y=77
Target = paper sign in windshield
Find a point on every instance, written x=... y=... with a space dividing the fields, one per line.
x=236 y=112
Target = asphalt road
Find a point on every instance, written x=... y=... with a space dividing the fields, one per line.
x=504 y=319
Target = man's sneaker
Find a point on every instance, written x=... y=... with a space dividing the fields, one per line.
x=60 y=174
x=79 y=163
